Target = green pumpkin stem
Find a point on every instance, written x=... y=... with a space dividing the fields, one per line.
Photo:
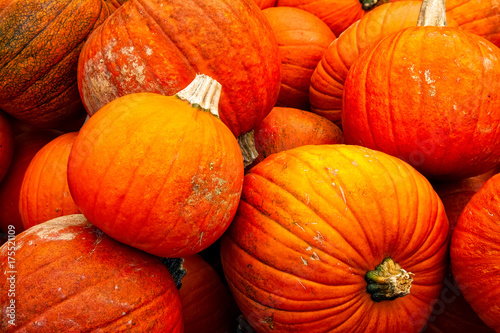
x=247 y=146
x=432 y=13
x=203 y=92
x=388 y=281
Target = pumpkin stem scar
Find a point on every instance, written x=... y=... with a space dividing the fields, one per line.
x=388 y=281
x=203 y=92
x=176 y=269
x=246 y=142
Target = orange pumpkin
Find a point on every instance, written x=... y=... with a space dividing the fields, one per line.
x=429 y=95
x=159 y=173
x=6 y=144
x=336 y=238
x=475 y=252
x=69 y=276
x=39 y=49
x=302 y=39
x=263 y=4
x=153 y=46
x=44 y=193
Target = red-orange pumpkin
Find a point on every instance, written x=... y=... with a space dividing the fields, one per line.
x=44 y=193
x=6 y=144
x=157 y=172
x=429 y=95
x=263 y=4
x=475 y=252
x=71 y=277
x=207 y=305
x=39 y=47
x=157 y=46
x=322 y=230
x=26 y=145
x=302 y=39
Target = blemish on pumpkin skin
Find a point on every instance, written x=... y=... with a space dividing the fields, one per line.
x=304 y=261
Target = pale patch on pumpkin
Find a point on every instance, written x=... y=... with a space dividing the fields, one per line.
x=300 y=282
x=314 y=256
x=303 y=261
x=319 y=237
x=430 y=81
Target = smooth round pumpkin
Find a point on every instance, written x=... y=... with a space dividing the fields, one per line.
x=153 y=46
x=39 y=47
x=429 y=95
x=207 y=304
x=327 y=80
x=70 y=276
x=157 y=172
x=26 y=145
x=302 y=39
x=44 y=193
x=320 y=233
x=475 y=252
x=6 y=144
x=287 y=128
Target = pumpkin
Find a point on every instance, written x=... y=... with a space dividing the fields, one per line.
x=287 y=128
x=263 y=4
x=207 y=305
x=44 y=193
x=159 y=173
x=327 y=80
x=302 y=39
x=26 y=145
x=475 y=252
x=320 y=232
x=153 y=46
x=6 y=144
x=70 y=276
x=430 y=95
x=39 y=48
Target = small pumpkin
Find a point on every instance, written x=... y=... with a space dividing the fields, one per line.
x=302 y=39
x=475 y=252
x=160 y=173
x=44 y=193
x=6 y=144
x=70 y=276
x=320 y=233
x=39 y=48
x=430 y=95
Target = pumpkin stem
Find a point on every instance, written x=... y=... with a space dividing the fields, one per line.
x=247 y=146
x=203 y=92
x=432 y=13
x=388 y=281
x=370 y=4
x=175 y=268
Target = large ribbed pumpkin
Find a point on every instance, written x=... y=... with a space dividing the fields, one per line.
x=157 y=46
x=475 y=252
x=40 y=41
x=157 y=172
x=68 y=276
x=336 y=238
x=44 y=192
x=430 y=95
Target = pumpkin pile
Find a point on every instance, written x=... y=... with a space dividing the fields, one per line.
x=241 y=166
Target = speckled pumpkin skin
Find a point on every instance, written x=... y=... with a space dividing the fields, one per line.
x=72 y=277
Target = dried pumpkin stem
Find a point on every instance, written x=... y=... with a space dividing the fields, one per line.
x=388 y=281
x=370 y=4
x=176 y=269
x=203 y=92
x=247 y=146
x=432 y=13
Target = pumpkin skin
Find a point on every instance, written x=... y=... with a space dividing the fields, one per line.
x=430 y=96
x=327 y=81
x=207 y=305
x=26 y=145
x=475 y=252
x=6 y=144
x=171 y=189
x=302 y=39
x=263 y=4
x=175 y=45
x=44 y=193
x=95 y=284
x=287 y=128
x=313 y=220
x=39 y=48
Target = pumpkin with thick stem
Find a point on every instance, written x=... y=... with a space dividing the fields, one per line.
x=336 y=238
x=96 y=284
x=429 y=95
x=160 y=173
x=157 y=46
x=475 y=252
x=40 y=42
